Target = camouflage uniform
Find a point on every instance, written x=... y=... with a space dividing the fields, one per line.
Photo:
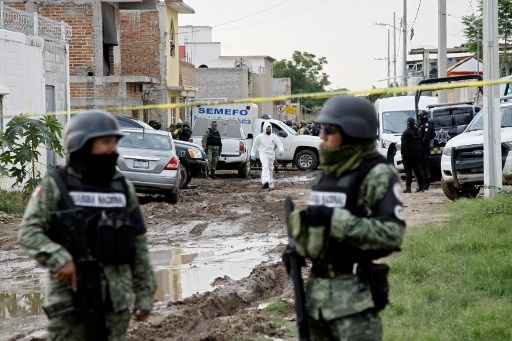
x=355 y=217
x=129 y=287
x=340 y=305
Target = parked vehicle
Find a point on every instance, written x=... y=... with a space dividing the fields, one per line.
x=449 y=120
x=148 y=159
x=300 y=150
x=392 y=114
x=462 y=162
x=194 y=163
x=235 y=154
x=192 y=157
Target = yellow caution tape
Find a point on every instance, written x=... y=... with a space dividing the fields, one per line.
x=315 y=95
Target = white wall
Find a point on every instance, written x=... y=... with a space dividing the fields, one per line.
x=195 y=34
x=22 y=72
x=204 y=54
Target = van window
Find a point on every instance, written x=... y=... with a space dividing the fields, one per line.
x=395 y=122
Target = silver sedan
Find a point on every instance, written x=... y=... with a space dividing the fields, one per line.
x=148 y=159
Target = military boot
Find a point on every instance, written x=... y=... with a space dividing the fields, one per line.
x=407 y=188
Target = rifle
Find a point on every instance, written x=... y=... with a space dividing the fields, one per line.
x=295 y=262
x=71 y=230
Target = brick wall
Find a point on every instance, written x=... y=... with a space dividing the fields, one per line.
x=222 y=83
x=80 y=18
x=140 y=43
x=187 y=75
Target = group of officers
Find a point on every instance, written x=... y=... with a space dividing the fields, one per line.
x=416 y=146
x=84 y=224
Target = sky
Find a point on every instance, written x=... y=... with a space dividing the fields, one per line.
x=343 y=31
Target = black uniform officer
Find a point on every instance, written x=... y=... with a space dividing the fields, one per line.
x=427 y=134
x=412 y=156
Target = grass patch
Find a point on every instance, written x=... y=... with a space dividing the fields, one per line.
x=455 y=282
x=12 y=202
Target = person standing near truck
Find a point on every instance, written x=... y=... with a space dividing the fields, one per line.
x=84 y=224
x=212 y=144
x=265 y=145
x=426 y=134
x=412 y=156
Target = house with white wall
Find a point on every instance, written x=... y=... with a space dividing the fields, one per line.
x=34 y=76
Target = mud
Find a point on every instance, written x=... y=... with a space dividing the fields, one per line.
x=206 y=252
x=206 y=316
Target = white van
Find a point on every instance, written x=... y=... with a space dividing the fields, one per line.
x=392 y=113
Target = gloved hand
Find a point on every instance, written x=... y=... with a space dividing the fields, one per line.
x=317 y=216
x=286 y=256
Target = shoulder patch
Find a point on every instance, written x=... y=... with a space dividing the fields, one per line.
x=399 y=212
x=397 y=191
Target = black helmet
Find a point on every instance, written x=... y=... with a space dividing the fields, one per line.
x=424 y=115
x=411 y=122
x=88 y=125
x=355 y=116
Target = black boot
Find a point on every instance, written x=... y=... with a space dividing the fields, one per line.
x=407 y=188
x=265 y=185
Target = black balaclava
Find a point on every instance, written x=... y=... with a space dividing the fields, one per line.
x=95 y=169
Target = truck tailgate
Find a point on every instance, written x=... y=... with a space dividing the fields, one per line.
x=230 y=147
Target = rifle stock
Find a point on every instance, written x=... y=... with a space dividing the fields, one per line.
x=295 y=263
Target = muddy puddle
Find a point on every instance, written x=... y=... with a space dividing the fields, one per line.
x=181 y=272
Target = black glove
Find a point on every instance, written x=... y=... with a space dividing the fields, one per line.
x=287 y=254
x=318 y=216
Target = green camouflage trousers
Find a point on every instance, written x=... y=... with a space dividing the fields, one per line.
x=365 y=326
x=213 y=158
x=69 y=328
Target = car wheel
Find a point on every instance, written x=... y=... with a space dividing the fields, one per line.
x=184 y=176
x=172 y=197
x=450 y=191
x=391 y=154
x=306 y=160
x=245 y=170
x=470 y=191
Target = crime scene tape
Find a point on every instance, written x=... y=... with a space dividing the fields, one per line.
x=315 y=95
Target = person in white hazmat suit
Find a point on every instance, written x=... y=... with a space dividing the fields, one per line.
x=266 y=145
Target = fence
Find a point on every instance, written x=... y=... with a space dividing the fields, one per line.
x=29 y=23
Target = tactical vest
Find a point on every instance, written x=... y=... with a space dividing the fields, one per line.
x=213 y=138
x=93 y=223
x=343 y=192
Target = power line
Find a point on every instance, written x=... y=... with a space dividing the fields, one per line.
x=265 y=10
x=233 y=21
x=417 y=14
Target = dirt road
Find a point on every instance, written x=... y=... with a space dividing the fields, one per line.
x=221 y=231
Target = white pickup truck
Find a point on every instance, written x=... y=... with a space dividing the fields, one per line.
x=462 y=161
x=301 y=150
x=235 y=154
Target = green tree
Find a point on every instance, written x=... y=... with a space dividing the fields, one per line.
x=306 y=71
x=473 y=28
x=20 y=148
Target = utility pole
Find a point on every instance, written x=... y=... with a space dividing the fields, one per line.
x=394 y=48
x=493 y=172
x=404 y=52
x=442 y=59
x=389 y=58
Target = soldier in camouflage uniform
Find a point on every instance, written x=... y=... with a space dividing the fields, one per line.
x=84 y=224
x=354 y=217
